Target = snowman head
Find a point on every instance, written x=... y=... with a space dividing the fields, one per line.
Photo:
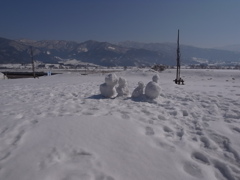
x=122 y=82
x=111 y=79
x=140 y=84
x=155 y=78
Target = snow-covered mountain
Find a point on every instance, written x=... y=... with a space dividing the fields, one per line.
x=100 y=53
x=107 y=54
x=235 y=47
x=190 y=54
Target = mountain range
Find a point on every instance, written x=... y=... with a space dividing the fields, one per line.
x=108 y=54
x=234 y=47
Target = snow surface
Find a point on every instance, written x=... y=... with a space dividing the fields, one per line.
x=60 y=128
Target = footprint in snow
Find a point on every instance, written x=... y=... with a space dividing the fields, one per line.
x=149 y=131
x=180 y=134
x=33 y=122
x=173 y=113
x=125 y=116
x=74 y=94
x=18 y=137
x=222 y=171
x=193 y=169
x=200 y=157
x=236 y=129
x=164 y=145
x=76 y=164
x=53 y=157
x=168 y=131
x=185 y=113
x=225 y=144
x=161 y=117
x=206 y=142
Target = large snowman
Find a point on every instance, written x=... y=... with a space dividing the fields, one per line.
x=152 y=89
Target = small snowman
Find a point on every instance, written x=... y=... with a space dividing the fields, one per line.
x=108 y=88
x=122 y=88
x=138 y=92
x=152 y=89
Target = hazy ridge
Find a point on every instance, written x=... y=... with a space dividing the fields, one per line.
x=126 y=53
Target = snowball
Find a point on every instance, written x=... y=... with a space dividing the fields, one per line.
x=138 y=91
x=108 y=88
x=122 y=89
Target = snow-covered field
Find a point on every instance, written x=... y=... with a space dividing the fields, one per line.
x=61 y=128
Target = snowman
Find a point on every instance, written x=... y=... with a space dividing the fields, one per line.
x=122 y=88
x=138 y=92
x=152 y=89
x=108 y=88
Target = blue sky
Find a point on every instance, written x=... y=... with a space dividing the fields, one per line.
x=202 y=23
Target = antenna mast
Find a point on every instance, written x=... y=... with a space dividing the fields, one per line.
x=33 y=67
x=178 y=58
x=178 y=79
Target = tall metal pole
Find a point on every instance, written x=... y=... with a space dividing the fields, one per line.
x=178 y=58
x=33 y=68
